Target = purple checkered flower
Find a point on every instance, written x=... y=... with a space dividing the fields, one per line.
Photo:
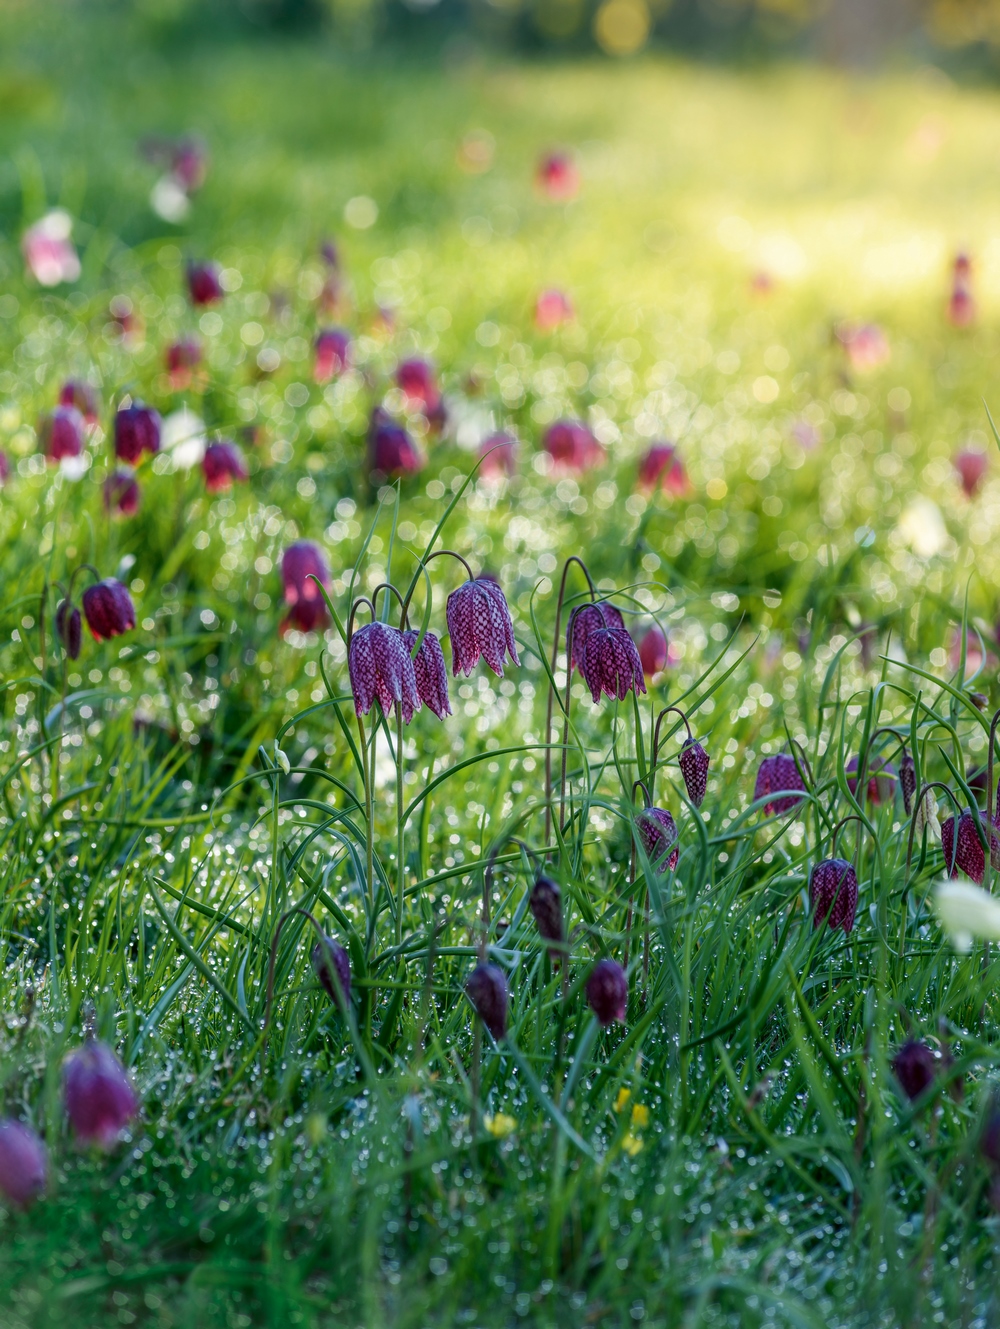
x=693 y=761
x=967 y=854
x=774 y=775
x=607 y=992
x=380 y=666
x=479 y=623
x=430 y=671
x=908 y=781
x=658 y=833
x=583 y=621
x=108 y=609
x=833 y=893
x=611 y=664
x=487 y=990
x=915 y=1067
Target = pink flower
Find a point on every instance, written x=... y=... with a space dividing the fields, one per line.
x=479 y=624
x=971 y=467
x=865 y=344
x=23 y=1163
x=333 y=346
x=77 y=392
x=611 y=664
x=499 y=453
x=100 y=1100
x=557 y=177
x=4 y=468
x=137 y=430
x=48 y=250
x=418 y=383
x=572 y=446
x=61 y=433
x=381 y=668
x=300 y=563
x=189 y=164
x=121 y=494
x=182 y=357
x=391 y=450
x=430 y=672
x=552 y=309
x=653 y=650
x=223 y=464
x=662 y=466
x=203 y=283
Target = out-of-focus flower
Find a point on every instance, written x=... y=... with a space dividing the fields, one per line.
x=922 y=527
x=121 y=494
x=694 y=762
x=300 y=563
x=430 y=671
x=381 y=667
x=23 y=1163
x=475 y=152
x=761 y=283
x=182 y=358
x=189 y=163
x=183 y=436
x=136 y=430
x=966 y=853
x=545 y=903
x=77 y=392
x=108 y=609
x=204 y=286
x=552 y=310
x=417 y=381
x=658 y=833
x=661 y=467
x=330 y=254
x=124 y=317
x=775 y=775
x=392 y=452
x=4 y=468
x=915 y=1067
x=186 y=160
x=333 y=348
x=223 y=464
x=486 y=988
x=961 y=303
x=100 y=1101
x=881 y=779
x=499 y=1125
x=611 y=664
x=971 y=466
x=572 y=446
x=865 y=345
x=48 y=250
x=806 y=435
x=607 y=992
x=966 y=912
x=479 y=624
x=653 y=650
x=833 y=893
x=332 y=967
x=499 y=454
x=68 y=628
x=60 y=433
x=557 y=176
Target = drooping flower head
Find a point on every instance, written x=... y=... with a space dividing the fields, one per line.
x=137 y=430
x=552 y=309
x=204 y=286
x=108 y=609
x=607 y=992
x=572 y=446
x=961 y=305
x=479 y=624
x=866 y=345
x=418 y=383
x=653 y=650
x=182 y=358
x=332 y=967
x=545 y=903
x=585 y=620
x=486 y=988
x=611 y=664
x=121 y=494
x=881 y=779
x=971 y=466
x=300 y=563
x=48 y=249
x=658 y=833
x=693 y=761
x=908 y=781
x=100 y=1101
x=391 y=450
x=775 y=775
x=333 y=350
x=833 y=893
x=68 y=628
x=61 y=433
x=557 y=176
x=380 y=667
x=79 y=393
x=915 y=1067
x=661 y=467
x=23 y=1163
x=222 y=464
x=430 y=672
x=966 y=853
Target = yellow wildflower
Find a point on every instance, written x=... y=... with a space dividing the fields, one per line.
x=499 y=1125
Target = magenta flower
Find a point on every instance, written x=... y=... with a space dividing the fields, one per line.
x=967 y=854
x=430 y=672
x=866 y=345
x=607 y=992
x=552 y=309
x=61 y=433
x=108 y=609
x=68 y=628
x=23 y=1163
x=572 y=446
x=307 y=608
x=100 y=1101
x=585 y=620
x=971 y=467
x=658 y=833
x=121 y=494
x=486 y=988
x=332 y=967
x=77 y=392
x=479 y=624
x=48 y=250
x=333 y=349
x=203 y=283
x=653 y=650
x=693 y=761
x=189 y=164
x=915 y=1067
x=961 y=305
x=499 y=454
x=545 y=903
x=391 y=450
x=182 y=358
x=557 y=177
x=662 y=467
x=222 y=464
x=833 y=893
x=418 y=383
x=775 y=775
x=380 y=667
x=4 y=468
x=611 y=664
x=137 y=430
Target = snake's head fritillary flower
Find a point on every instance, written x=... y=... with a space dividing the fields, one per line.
x=971 y=466
x=572 y=446
x=48 y=249
x=333 y=351
x=658 y=833
x=545 y=903
x=653 y=650
x=479 y=624
x=961 y=305
x=68 y=628
x=223 y=464
x=833 y=893
x=300 y=563
x=693 y=761
x=23 y=1163
x=962 y=267
x=381 y=668
x=486 y=988
x=661 y=467
x=203 y=283
x=100 y=1101
x=417 y=381
x=585 y=620
x=607 y=992
x=430 y=671
x=966 y=852
x=908 y=782
x=865 y=344
x=189 y=163
x=881 y=779
x=915 y=1067
x=121 y=494
x=61 y=433
x=79 y=393
x=108 y=609
x=182 y=358
x=552 y=309
x=778 y=774
x=499 y=454
x=4 y=468
x=557 y=177
x=392 y=452
x=332 y=967
x=330 y=254
x=611 y=664
x=137 y=430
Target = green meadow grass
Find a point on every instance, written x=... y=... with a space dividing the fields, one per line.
x=738 y=1152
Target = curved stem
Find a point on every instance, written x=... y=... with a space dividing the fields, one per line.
x=573 y=558
x=400 y=829
x=388 y=586
x=656 y=737
x=438 y=553
x=991 y=812
x=917 y=806
x=852 y=816
x=361 y=600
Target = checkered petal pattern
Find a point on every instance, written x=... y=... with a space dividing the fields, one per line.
x=658 y=833
x=381 y=669
x=583 y=621
x=479 y=623
x=611 y=664
x=833 y=893
x=693 y=761
x=430 y=671
x=777 y=773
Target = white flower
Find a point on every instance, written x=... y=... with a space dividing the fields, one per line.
x=183 y=436
x=966 y=912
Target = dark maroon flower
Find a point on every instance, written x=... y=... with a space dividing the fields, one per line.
x=968 y=854
x=23 y=1163
x=557 y=176
x=658 y=833
x=391 y=450
x=662 y=467
x=585 y=620
x=108 y=609
x=572 y=446
x=881 y=779
x=915 y=1067
x=121 y=493
x=68 y=628
x=137 y=430
x=430 y=671
x=775 y=775
x=189 y=163
x=76 y=392
x=418 y=383
x=333 y=346
x=99 y=1097
x=333 y=969
x=61 y=433
x=908 y=782
x=300 y=563
x=203 y=283
x=693 y=761
x=545 y=903
x=479 y=624
x=653 y=651
x=223 y=463
x=487 y=990
x=607 y=992
x=833 y=893
x=611 y=664
x=380 y=667
x=181 y=358
x=989 y=1141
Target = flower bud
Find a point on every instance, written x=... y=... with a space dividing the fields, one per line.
x=333 y=969
x=607 y=992
x=693 y=761
x=99 y=1098
x=914 y=1066
x=22 y=1163
x=487 y=990
x=68 y=628
x=108 y=609
x=545 y=903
